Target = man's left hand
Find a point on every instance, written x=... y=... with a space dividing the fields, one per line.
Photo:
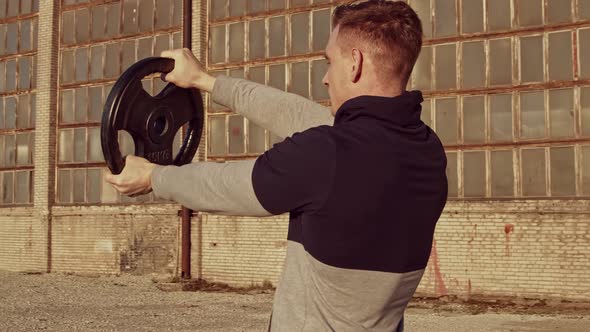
x=135 y=179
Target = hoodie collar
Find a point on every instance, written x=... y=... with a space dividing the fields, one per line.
x=402 y=110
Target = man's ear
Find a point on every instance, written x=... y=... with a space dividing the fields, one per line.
x=357 y=65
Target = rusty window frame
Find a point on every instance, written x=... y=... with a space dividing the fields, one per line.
x=29 y=15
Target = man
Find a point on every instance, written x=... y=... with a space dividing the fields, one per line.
x=363 y=195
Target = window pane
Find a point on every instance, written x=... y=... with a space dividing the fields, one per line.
x=445 y=17
x=66 y=141
x=586 y=170
x=67 y=21
x=67 y=66
x=108 y=193
x=318 y=89
x=561 y=112
x=446 y=120
x=530 y=12
x=256 y=138
x=163 y=10
x=300 y=33
x=499 y=15
x=321 y=29
x=532 y=114
x=236 y=134
x=146 y=15
x=276 y=77
x=237 y=73
x=236 y=42
x=81 y=64
x=97 y=59
x=67 y=106
x=474 y=174
x=584 y=9
x=502 y=173
x=82 y=27
x=452 y=177
x=98 y=22
x=95 y=108
x=585 y=108
x=299 y=79
x=560 y=56
x=113 y=69
x=501 y=118
x=217 y=44
x=145 y=48
x=7 y=187
x=2 y=152
x=23 y=186
x=22 y=149
x=274 y=4
x=217 y=8
x=2 y=39
x=426 y=115
x=94 y=180
x=257 y=74
x=559 y=11
x=79 y=176
x=10 y=150
x=276 y=46
x=81 y=107
x=22 y=116
x=80 y=144
x=584 y=49
x=422 y=72
x=474 y=65
x=500 y=61
x=237 y=7
x=472 y=16
x=11 y=38
x=563 y=172
x=257 y=40
x=127 y=54
x=533 y=172
x=474 y=119
x=217 y=135
x=113 y=19
x=10 y=110
x=445 y=68
x=422 y=8
x=25 y=35
x=531 y=59
x=126 y=143
x=95 y=153
x=64 y=187
x=256 y=6
x=130 y=16
x=162 y=43
x=11 y=75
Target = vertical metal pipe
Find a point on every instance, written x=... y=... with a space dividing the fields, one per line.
x=186 y=213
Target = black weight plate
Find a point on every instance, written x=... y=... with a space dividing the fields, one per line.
x=151 y=121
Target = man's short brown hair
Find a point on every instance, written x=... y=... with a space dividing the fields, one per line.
x=391 y=30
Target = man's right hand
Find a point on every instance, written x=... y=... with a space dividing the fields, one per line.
x=188 y=71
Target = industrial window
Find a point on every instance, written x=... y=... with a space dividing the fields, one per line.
x=18 y=55
x=506 y=84
x=279 y=43
x=99 y=40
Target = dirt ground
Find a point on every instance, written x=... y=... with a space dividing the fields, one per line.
x=58 y=302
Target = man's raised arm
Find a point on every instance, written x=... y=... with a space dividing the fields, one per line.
x=280 y=112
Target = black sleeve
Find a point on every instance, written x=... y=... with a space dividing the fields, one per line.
x=296 y=175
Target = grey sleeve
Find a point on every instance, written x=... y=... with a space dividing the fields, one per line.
x=280 y=112
x=222 y=188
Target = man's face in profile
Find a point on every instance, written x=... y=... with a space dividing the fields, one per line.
x=336 y=78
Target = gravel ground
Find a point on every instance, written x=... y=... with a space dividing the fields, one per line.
x=58 y=302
